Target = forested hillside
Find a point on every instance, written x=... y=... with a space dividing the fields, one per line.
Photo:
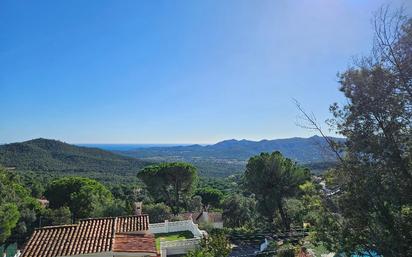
x=54 y=158
x=230 y=156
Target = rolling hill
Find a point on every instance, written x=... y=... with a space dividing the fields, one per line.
x=230 y=156
x=54 y=158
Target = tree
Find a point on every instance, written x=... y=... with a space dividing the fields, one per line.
x=376 y=203
x=116 y=208
x=214 y=245
x=217 y=244
x=211 y=197
x=195 y=204
x=125 y=196
x=171 y=183
x=296 y=211
x=238 y=210
x=272 y=178
x=18 y=210
x=9 y=216
x=53 y=217
x=374 y=209
x=31 y=181
x=158 y=212
x=85 y=197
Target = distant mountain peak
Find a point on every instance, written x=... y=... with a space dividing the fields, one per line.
x=227 y=141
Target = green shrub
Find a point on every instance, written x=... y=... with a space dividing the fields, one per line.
x=158 y=212
x=286 y=253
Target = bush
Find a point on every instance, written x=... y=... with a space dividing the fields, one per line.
x=116 y=208
x=198 y=253
x=60 y=216
x=158 y=212
x=207 y=226
x=286 y=253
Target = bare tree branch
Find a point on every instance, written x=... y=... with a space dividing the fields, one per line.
x=312 y=124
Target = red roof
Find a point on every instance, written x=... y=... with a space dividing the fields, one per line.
x=128 y=242
x=89 y=236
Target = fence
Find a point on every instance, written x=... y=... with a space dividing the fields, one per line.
x=178 y=247
x=176 y=226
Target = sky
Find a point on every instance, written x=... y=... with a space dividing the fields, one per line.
x=182 y=71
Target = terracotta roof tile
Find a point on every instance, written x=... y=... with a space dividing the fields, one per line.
x=132 y=223
x=49 y=241
x=89 y=236
x=126 y=242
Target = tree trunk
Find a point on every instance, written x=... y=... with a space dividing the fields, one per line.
x=283 y=216
x=177 y=197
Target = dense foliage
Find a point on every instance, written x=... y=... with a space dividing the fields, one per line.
x=84 y=197
x=210 y=197
x=238 y=210
x=215 y=245
x=158 y=212
x=374 y=211
x=171 y=183
x=51 y=158
x=54 y=217
x=18 y=210
x=272 y=178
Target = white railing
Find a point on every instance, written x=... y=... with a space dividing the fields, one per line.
x=192 y=243
x=178 y=247
x=176 y=226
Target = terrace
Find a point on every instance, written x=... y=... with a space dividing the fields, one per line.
x=176 y=238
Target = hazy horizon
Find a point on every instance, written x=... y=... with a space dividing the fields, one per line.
x=87 y=144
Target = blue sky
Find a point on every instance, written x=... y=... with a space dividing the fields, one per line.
x=179 y=71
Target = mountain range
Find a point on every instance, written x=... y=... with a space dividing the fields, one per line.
x=56 y=158
x=230 y=156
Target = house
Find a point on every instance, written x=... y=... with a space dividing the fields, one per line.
x=213 y=218
x=43 y=202
x=126 y=236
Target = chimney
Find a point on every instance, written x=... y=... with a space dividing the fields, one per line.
x=205 y=216
x=137 y=208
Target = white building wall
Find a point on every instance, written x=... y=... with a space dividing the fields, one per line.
x=176 y=226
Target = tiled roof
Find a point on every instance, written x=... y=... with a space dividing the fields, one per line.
x=132 y=223
x=127 y=242
x=89 y=236
x=50 y=241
